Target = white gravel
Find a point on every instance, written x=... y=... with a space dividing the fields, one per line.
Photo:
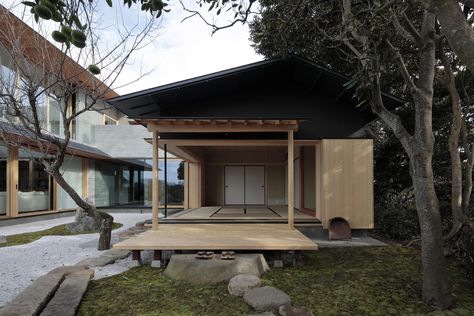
x=21 y=265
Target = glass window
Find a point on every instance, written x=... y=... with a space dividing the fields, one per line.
x=105 y=183
x=175 y=181
x=56 y=125
x=34 y=184
x=72 y=173
x=3 y=179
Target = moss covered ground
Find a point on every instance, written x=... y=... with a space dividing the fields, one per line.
x=337 y=281
x=60 y=230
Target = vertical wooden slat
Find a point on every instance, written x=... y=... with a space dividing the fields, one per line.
x=291 y=189
x=155 y=183
x=318 y=181
x=85 y=178
x=12 y=182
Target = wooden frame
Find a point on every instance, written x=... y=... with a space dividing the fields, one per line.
x=218 y=125
x=291 y=176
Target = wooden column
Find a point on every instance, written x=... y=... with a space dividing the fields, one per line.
x=12 y=182
x=155 y=197
x=85 y=178
x=291 y=189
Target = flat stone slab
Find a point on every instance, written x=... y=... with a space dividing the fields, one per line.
x=35 y=297
x=107 y=257
x=239 y=284
x=266 y=298
x=213 y=271
x=288 y=310
x=68 y=296
x=264 y=314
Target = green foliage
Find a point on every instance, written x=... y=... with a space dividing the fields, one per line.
x=337 y=281
x=61 y=230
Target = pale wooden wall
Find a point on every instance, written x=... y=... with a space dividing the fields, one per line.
x=347 y=182
x=214 y=183
x=194 y=185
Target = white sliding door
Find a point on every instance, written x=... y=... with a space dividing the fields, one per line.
x=255 y=185
x=245 y=185
x=234 y=185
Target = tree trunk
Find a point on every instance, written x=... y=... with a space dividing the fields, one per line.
x=455 y=27
x=453 y=143
x=436 y=286
x=103 y=220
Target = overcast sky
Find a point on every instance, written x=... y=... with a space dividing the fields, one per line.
x=182 y=50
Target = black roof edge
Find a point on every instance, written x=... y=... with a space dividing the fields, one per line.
x=300 y=118
x=234 y=71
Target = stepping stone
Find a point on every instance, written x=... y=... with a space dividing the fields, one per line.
x=35 y=297
x=239 y=284
x=289 y=310
x=3 y=239
x=68 y=296
x=266 y=298
x=213 y=271
x=264 y=314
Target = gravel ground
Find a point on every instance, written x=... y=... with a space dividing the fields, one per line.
x=21 y=265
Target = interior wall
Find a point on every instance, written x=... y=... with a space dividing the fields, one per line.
x=309 y=177
x=276 y=185
x=214 y=183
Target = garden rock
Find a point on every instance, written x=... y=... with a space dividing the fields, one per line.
x=239 y=284
x=264 y=314
x=288 y=310
x=266 y=298
x=213 y=271
x=82 y=222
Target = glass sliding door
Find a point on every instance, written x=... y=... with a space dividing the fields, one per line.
x=35 y=186
x=72 y=173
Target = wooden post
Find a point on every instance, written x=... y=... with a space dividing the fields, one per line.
x=155 y=183
x=12 y=182
x=291 y=189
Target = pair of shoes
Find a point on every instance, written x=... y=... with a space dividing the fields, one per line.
x=228 y=255
x=204 y=255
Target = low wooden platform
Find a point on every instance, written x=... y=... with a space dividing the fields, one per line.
x=219 y=237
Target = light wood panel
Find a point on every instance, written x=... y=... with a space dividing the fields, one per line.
x=291 y=191
x=85 y=177
x=155 y=183
x=12 y=182
x=219 y=237
x=194 y=185
x=347 y=191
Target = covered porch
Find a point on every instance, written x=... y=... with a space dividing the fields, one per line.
x=239 y=195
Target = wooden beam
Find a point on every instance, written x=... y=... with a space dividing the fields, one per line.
x=209 y=128
x=234 y=142
x=291 y=189
x=183 y=153
x=155 y=183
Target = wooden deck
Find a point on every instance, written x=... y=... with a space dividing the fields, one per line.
x=219 y=237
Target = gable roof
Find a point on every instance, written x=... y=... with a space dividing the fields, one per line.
x=278 y=88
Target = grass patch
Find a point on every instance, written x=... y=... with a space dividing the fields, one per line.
x=60 y=230
x=337 y=281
